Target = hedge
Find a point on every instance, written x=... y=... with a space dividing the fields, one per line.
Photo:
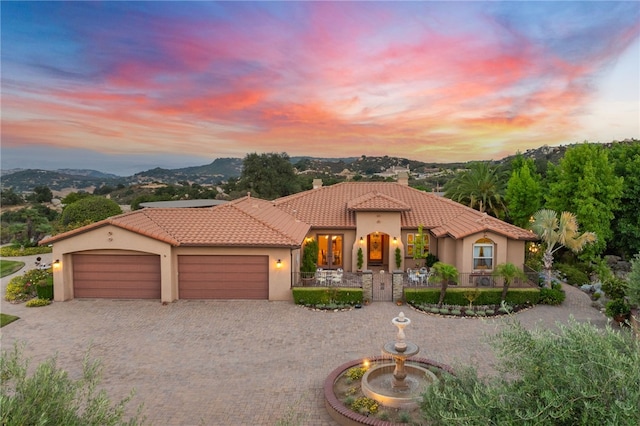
x=486 y=296
x=323 y=295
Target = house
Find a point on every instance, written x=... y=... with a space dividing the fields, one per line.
x=250 y=248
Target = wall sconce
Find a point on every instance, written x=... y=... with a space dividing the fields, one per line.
x=279 y=264
x=361 y=240
x=56 y=264
x=395 y=240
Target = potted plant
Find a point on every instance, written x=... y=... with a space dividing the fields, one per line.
x=618 y=309
x=360 y=259
x=309 y=259
x=398 y=257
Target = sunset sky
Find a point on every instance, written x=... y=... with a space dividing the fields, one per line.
x=122 y=87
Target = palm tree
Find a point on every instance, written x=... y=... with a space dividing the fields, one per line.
x=481 y=188
x=444 y=273
x=509 y=273
x=556 y=234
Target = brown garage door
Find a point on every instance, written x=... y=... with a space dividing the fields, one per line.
x=116 y=276
x=223 y=277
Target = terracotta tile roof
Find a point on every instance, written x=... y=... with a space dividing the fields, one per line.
x=243 y=222
x=375 y=201
x=334 y=207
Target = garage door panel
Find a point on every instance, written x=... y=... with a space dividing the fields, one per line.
x=223 y=277
x=117 y=276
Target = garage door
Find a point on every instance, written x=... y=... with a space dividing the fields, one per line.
x=223 y=277
x=116 y=276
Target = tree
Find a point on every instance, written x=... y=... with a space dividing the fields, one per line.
x=633 y=289
x=626 y=223
x=444 y=273
x=524 y=192
x=575 y=374
x=556 y=234
x=309 y=258
x=10 y=198
x=509 y=273
x=268 y=176
x=41 y=194
x=28 y=226
x=481 y=187
x=584 y=182
x=420 y=248
x=72 y=197
x=90 y=209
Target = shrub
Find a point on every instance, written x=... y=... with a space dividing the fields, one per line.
x=457 y=296
x=365 y=405
x=572 y=374
x=552 y=296
x=615 y=288
x=34 y=303
x=633 y=291
x=51 y=397
x=9 y=251
x=356 y=373
x=617 y=307
x=322 y=295
x=573 y=276
x=92 y=209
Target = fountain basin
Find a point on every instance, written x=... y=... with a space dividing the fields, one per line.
x=377 y=383
x=342 y=414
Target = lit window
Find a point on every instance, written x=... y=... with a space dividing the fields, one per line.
x=483 y=254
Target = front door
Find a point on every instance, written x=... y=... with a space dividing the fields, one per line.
x=330 y=251
x=376 y=243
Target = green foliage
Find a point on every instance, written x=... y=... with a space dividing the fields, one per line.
x=480 y=187
x=360 y=258
x=625 y=226
x=633 y=289
x=398 y=254
x=615 y=307
x=37 y=302
x=92 y=209
x=26 y=251
x=50 y=397
x=8 y=267
x=267 y=176
x=615 y=288
x=485 y=296
x=309 y=258
x=419 y=246
x=576 y=374
x=27 y=226
x=552 y=296
x=10 y=198
x=365 y=405
x=524 y=191
x=585 y=183
x=445 y=274
x=573 y=275
x=321 y=295
x=41 y=194
x=23 y=286
x=509 y=273
x=356 y=373
x=72 y=197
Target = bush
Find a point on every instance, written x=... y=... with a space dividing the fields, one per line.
x=573 y=276
x=324 y=295
x=617 y=307
x=50 y=397
x=23 y=287
x=91 y=209
x=614 y=288
x=633 y=290
x=9 y=251
x=552 y=296
x=34 y=303
x=457 y=296
x=575 y=374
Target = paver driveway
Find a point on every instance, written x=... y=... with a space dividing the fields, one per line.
x=244 y=362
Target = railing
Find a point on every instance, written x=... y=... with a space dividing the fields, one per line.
x=347 y=279
x=474 y=279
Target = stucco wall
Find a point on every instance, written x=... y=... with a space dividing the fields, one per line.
x=107 y=240
x=385 y=223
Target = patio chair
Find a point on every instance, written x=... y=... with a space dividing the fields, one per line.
x=336 y=277
x=321 y=276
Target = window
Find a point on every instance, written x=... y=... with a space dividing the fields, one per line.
x=330 y=251
x=483 y=254
x=414 y=241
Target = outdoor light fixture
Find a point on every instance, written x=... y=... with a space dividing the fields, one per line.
x=361 y=240
x=279 y=263
x=56 y=264
x=395 y=240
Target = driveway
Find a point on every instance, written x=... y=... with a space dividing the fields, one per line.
x=244 y=362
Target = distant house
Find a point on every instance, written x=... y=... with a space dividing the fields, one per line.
x=250 y=248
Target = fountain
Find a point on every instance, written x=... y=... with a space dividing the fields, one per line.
x=395 y=380
x=397 y=385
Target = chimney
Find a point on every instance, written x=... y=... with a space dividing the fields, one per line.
x=403 y=178
x=317 y=183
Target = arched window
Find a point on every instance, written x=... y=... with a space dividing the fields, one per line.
x=483 y=254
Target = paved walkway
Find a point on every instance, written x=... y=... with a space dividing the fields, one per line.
x=244 y=362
